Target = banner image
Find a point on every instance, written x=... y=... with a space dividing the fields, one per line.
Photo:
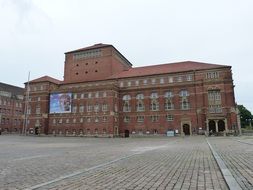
x=60 y=103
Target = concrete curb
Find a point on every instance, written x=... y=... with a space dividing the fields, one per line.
x=230 y=180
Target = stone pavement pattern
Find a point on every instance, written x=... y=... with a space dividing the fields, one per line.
x=147 y=163
x=237 y=153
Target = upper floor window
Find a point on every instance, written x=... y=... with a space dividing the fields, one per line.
x=161 y=80
x=189 y=77
x=104 y=107
x=82 y=96
x=154 y=95
x=96 y=108
x=136 y=83
x=75 y=96
x=104 y=94
x=140 y=103
x=126 y=97
x=145 y=81
x=37 y=110
x=97 y=95
x=169 y=117
x=183 y=93
x=139 y=96
x=74 y=109
x=153 y=81
x=214 y=101
x=129 y=83
x=212 y=75
x=126 y=119
x=89 y=95
x=170 y=79
x=185 y=104
x=81 y=108
x=121 y=84
x=140 y=118
x=168 y=94
x=89 y=108
x=179 y=79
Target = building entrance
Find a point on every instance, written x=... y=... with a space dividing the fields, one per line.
x=221 y=125
x=211 y=126
x=126 y=133
x=186 y=129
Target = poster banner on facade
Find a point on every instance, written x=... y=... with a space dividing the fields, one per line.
x=60 y=103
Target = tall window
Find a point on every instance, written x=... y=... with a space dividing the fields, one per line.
x=89 y=108
x=104 y=107
x=81 y=108
x=140 y=102
x=168 y=105
x=154 y=104
x=126 y=103
x=214 y=101
x=74 y=109
x=96 y=107
x=184 y=94
x=37 y=109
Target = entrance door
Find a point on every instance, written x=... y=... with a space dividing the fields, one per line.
x=126 y=133
x=186 y=129
x=36 y=130
x=212 y=127
x=221 y=125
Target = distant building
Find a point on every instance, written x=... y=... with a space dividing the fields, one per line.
x=103 y=95
x=11 y=100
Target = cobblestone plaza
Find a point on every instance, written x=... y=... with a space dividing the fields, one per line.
x=117 y=163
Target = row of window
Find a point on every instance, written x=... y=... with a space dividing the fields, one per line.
x=81 y=120
x=87 y=54
x=153 y=118
x=8 y=111
x=7 y=121
x=153 y=95
x=36 y=88
x=154 y=81
x=79 y=132
x=91 y=95
x=8 y=103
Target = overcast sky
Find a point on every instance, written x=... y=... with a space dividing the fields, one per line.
x=34 y=34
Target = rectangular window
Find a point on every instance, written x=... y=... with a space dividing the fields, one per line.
x=104 y=107
x=154 y=118
x=214 y=101
x=74 y=109
x=89 y=108
x=136 y=83
x=161 y=80
x=170 y=79
x=169 y=117
x=189 y=77
x=126 y=119
x=104 y=119
x=140 y=118
x=81 y=109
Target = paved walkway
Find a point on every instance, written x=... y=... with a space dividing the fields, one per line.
x=237 y=153
x=133 y=163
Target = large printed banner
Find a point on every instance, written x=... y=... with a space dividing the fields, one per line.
x=60 y=103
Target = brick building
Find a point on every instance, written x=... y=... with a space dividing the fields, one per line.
x=103 y=95
x=11 y=99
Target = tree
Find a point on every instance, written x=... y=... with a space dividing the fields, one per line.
x=245 y=115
